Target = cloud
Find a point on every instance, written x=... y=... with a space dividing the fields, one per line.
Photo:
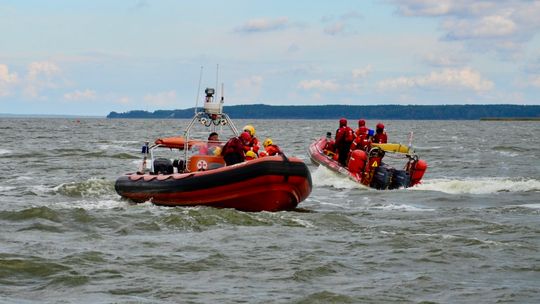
x=501 y=25
x=249 y=88
x=443 y=60
x=321 y=85
x=7 y=80
x=360 y=73
x=80 y=95
x=264 y=25
x=41 y=75
x=448 y=78
x=161 y=98
x=335 y=28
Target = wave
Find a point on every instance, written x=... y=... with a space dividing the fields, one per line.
x=485 y=185
x=4 y=151
x=93 y=187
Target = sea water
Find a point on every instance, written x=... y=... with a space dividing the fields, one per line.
x=470 y=233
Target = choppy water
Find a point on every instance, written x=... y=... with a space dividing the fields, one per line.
x=470 y=233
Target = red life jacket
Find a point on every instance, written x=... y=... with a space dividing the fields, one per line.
x=344 y=135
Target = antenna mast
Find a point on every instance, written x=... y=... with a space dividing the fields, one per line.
x=198 y=90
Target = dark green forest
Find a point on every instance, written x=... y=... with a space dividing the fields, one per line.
x=420 y=112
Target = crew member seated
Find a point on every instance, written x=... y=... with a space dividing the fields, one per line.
x=270 y=148
x=330 y=146
x=233 y=151
x=253 y=144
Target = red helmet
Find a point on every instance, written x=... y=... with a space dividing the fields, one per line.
x=380 y=126
x=342 y=122
x=245 y=137
x=361 y=123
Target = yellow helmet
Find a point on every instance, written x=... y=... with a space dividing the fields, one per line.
x=250 y=129
x=267 y=142
x=250 y=155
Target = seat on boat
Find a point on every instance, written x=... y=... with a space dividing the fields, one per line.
x=205 y=162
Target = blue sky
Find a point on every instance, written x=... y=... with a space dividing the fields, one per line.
x=93 y=57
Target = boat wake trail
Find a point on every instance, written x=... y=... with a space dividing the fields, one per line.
x=93 y=187
x=485 y=185
x=326 y=178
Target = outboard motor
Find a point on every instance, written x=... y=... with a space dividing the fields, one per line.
x=381 y=178
x=418 y=169
x=163 y=166
x=400 y=179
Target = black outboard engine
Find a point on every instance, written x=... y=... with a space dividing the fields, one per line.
x=163 y=166
x=381 y=178
x=400 y=179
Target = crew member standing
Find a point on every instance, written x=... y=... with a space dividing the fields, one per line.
x=344 y=138
x=380 y=135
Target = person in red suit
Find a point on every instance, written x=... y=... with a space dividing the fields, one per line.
x=344 y=138
x=380 y=136
x=270 y=148
x=253 y=144
x=233 y=151
x=361 y=139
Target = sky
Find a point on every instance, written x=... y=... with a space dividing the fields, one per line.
x=89 y=58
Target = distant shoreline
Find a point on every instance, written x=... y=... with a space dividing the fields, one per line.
x=388 y=112
x=510 y=119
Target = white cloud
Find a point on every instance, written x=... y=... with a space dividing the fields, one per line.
x=40 y=75
x=80 y=95
x=124 y=100
x=316 y=84
x=535 y=81
x=162 y=98
x=335 y=28
x=7 y=80
x=485 y=27
x=361 y=72
x=448 y=78
x=249 y=89
x=501 y=25
x=264 y=25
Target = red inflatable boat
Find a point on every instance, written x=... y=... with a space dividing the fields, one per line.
x=196 y=175
x=367 y=167
x=271 y=183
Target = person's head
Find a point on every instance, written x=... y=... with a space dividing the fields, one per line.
x=328 y=134
x=245 y=137
x=213 y=136
x=267 y=142
x=342 y=122
x=250 y=129
x=380 y=128
x=250 y=155
x=361 y=123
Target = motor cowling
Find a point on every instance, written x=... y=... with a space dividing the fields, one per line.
x=357 y=161
x=417 y=171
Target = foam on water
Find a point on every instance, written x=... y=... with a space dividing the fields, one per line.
x=93 y=187
x=92 y=204
x=325 y=177
x=484 y=185
x=402 y=207
x=4 y=151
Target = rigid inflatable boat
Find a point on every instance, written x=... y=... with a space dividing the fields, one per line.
x=367 y=168
x=198 y=176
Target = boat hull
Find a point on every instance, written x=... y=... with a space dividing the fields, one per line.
x=266 y=184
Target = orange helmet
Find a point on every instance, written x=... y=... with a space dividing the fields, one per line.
x=361 y=123
x=380 y=126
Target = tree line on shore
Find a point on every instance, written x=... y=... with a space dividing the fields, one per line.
x=420 y=112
